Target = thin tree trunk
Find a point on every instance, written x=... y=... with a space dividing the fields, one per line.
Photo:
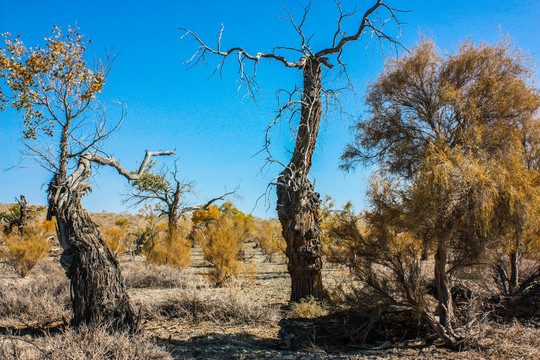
x=513 y=284
x=98 y=292
x=297 y=203
x=445 y=308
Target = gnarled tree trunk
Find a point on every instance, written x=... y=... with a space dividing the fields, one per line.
x=445 y=309
x=22 y=221
x=98 y=292
x=297 y=203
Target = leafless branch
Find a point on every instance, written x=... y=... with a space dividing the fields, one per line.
x=98 y=159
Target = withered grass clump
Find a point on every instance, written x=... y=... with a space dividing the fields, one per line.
x=84 y=343
x=144 y=275
x=308 y=308
x=196 y=305
x=41 y=298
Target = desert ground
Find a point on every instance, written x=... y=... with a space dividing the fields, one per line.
x=183 y=317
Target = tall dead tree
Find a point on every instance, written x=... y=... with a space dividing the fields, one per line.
x=63 y=131
x=297 y=202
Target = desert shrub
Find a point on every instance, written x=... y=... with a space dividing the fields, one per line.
x=144 y=275
x=268 y=235
x=41 y=298
x=22 y=251
x=205 y=216
x=115 y=240
x=149 y=233
x=121 y=223
x=383 y=257
x=84 y=343
x=196 y=305
x=48 y=228
x=172 y=249
x=308 y=308
x=222 y=241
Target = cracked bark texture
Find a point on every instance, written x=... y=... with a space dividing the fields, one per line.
x=297 y=202
x=98 y=293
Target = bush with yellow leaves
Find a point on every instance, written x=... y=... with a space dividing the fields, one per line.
x=171 y=248
x=268 y=236
x=23 y=250
x=115 y=239
x=222 y=241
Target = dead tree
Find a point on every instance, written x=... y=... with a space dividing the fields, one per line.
x=297 y=202
x=22 y=220
x=55 y=89
x=170 y=195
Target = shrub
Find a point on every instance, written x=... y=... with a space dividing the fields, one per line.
x=115 y=240
x=308 y=308
x=173 y=250
x=121 y=223
x=23 y=251
x=221 y=242
x=268 y=235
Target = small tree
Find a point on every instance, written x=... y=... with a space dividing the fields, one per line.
x=450 y=129
x=55 y=89
x=297 y=202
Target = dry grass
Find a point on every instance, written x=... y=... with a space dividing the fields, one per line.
x=84 y=344
x=41 y=298
x=506 y=340
x=308 y=308
x=198 y=305
x=138 y=274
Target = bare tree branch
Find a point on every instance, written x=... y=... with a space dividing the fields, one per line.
x=98 y=159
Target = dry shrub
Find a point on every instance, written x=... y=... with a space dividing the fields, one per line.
x=144 y=275
x=222 y=242
x=82 y=344
x=308 y=308
x=41 y=298
x=271 y=242
x=173 y=250
x=22 y=251
x=196 y=305
x=115 y=240
x=121 y=223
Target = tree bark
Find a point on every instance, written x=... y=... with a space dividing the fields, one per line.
x=22 y=221
x=513 y=284
x=98 y=292
x=297 y=203
x=445 y=308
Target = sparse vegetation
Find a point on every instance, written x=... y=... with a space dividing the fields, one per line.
x=443 y=262
x=21 y=251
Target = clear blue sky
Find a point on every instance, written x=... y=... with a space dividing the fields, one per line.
x=216 y=131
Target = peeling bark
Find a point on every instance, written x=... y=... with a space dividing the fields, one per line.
x=98 y=292
x=297 y=203
x=445 y=309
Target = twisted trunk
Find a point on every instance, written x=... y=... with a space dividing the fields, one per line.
x=445 y=309
x=297 y=202
x=98 y=293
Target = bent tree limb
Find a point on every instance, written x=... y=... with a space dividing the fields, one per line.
x=297 y=203
x=97 y=289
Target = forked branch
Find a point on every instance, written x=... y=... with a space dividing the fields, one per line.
x=109 y=161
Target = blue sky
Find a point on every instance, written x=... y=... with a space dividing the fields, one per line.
x=215 y=130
